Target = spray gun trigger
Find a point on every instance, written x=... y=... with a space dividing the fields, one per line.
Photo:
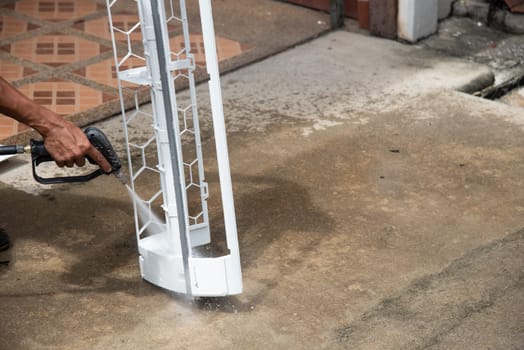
x=102 y=144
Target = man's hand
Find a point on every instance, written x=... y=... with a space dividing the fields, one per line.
x=68 y=145
x=64 y=141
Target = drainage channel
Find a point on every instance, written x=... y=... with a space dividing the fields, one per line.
x=510 y=92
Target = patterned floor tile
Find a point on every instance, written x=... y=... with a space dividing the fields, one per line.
x=58 y=52
x=65 y=97
x=60 y=10
x=55 y=50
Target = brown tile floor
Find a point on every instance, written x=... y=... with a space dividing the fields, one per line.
x=59 y=53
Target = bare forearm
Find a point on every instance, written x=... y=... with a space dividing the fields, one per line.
x=18 y=106
x=64 y=141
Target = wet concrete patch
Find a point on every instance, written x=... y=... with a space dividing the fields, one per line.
x=66 y=229
x=70 y=251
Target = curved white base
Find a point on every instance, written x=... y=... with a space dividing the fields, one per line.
x=210 y=277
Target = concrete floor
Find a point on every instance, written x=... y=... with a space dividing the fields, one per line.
x=377 y=207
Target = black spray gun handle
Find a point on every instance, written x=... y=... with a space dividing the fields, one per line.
x=97 y=138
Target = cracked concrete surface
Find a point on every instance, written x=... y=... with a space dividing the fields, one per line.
x=467 y=290
x=377 y=208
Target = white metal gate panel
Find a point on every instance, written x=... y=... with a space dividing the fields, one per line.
x=165 y=146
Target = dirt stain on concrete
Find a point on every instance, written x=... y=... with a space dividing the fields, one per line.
x=432 y=307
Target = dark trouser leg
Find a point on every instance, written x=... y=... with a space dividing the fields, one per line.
x=5 y=243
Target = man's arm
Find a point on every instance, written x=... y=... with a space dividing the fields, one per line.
x=64 y=141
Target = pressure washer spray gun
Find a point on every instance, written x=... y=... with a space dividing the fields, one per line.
x=40 y=155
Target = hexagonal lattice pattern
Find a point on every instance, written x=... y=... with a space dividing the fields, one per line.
x=140 y=123
x=142 y=151
x=126 y=34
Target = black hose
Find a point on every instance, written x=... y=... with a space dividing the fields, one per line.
x=14 y=149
